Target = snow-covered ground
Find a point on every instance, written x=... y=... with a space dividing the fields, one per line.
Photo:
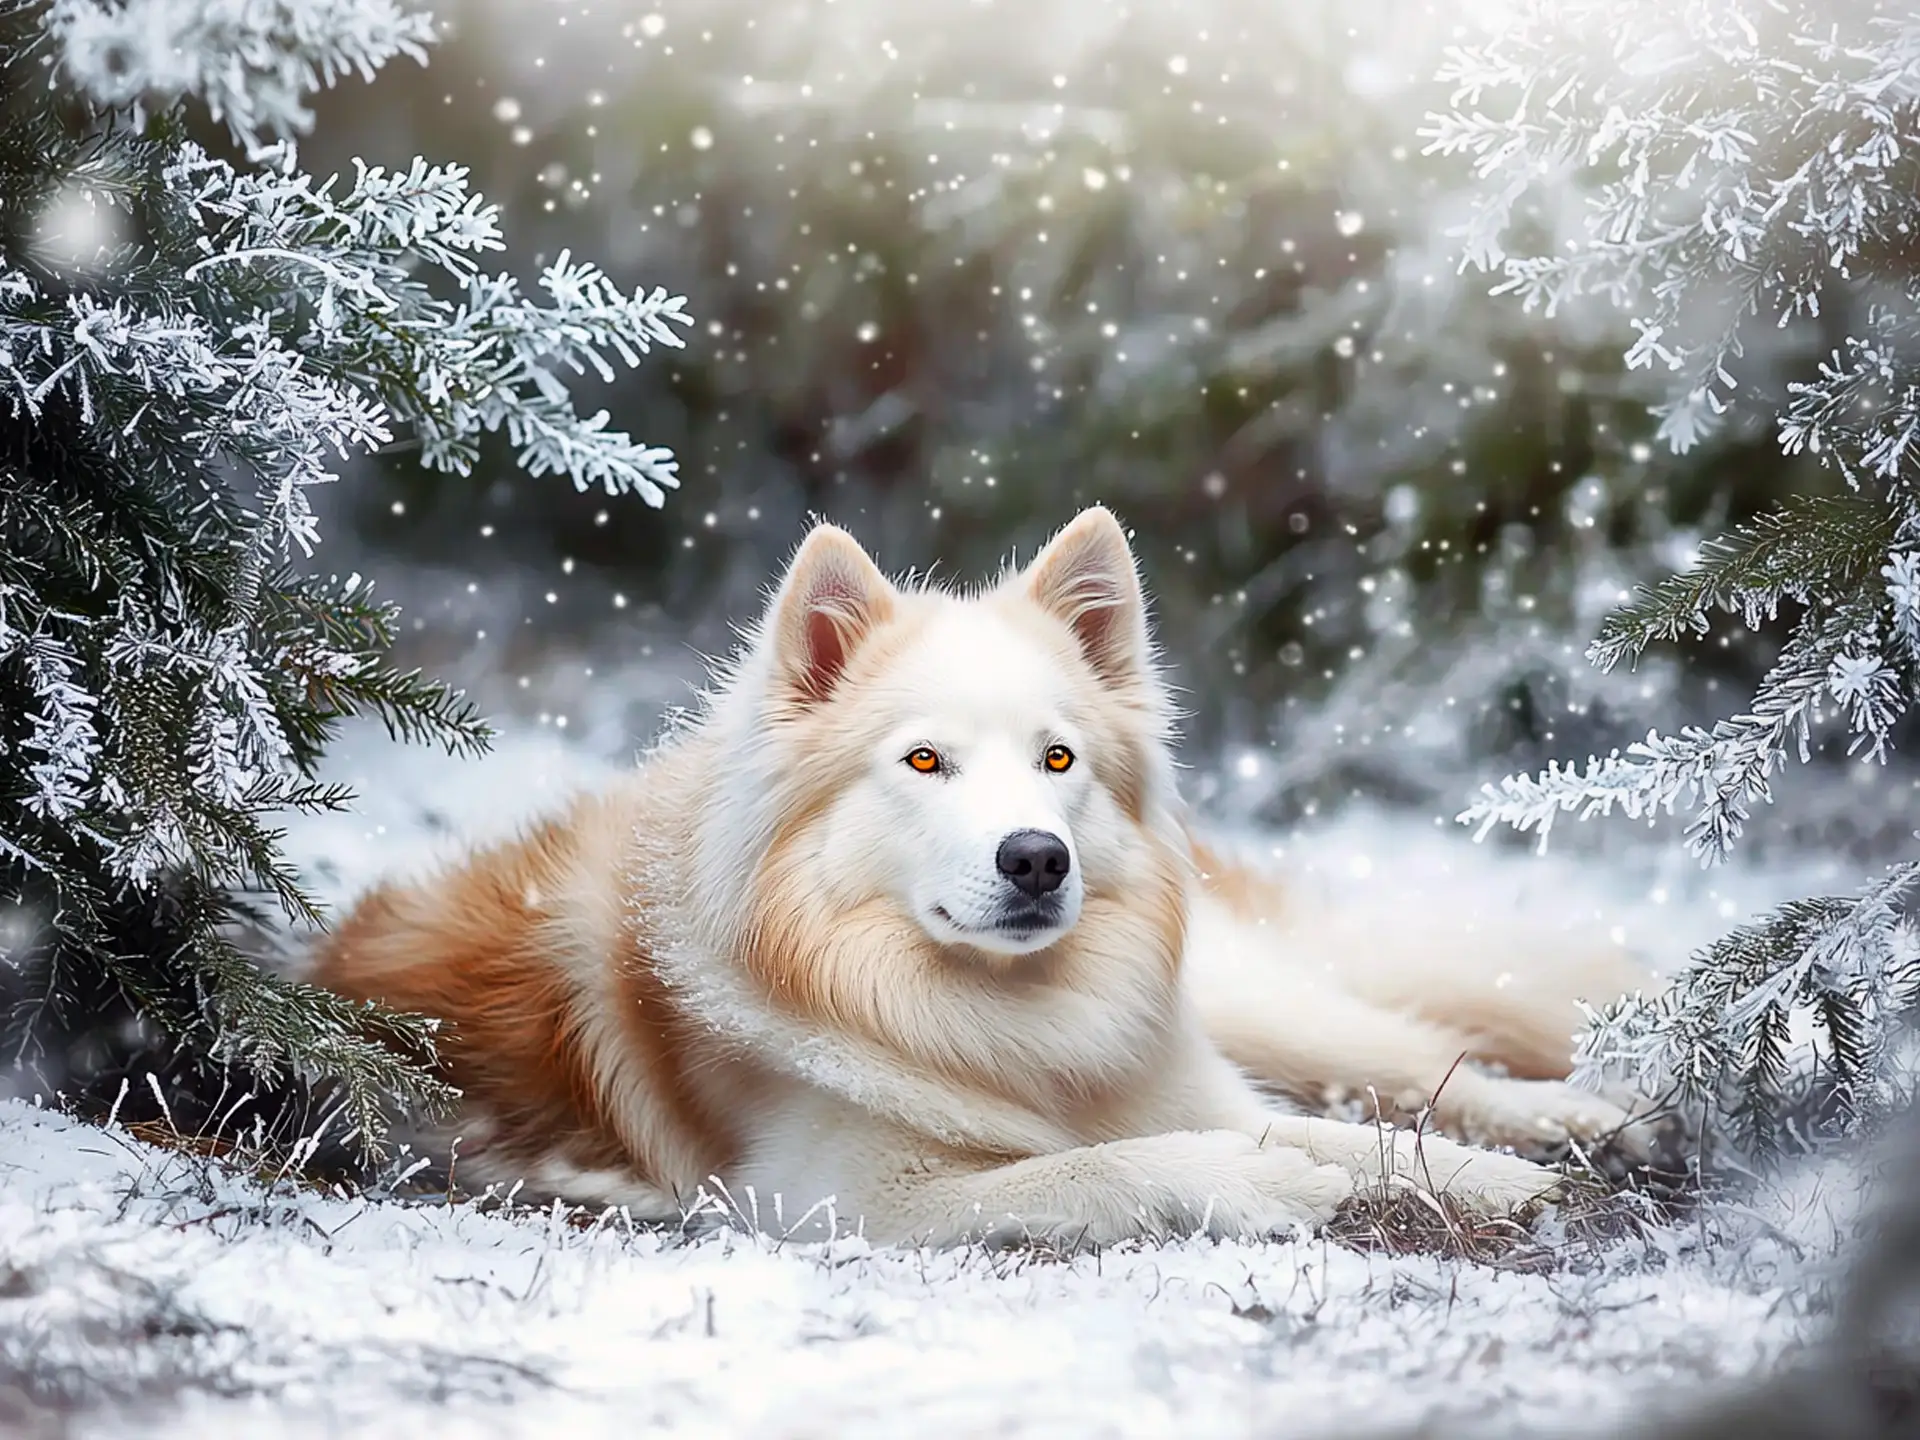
x=225 y=1312
x=196 y=1303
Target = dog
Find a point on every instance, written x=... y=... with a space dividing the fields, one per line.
x=904 y=930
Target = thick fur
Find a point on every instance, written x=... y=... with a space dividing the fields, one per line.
x=781 y=958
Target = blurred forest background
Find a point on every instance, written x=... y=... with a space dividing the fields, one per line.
x=962 y=266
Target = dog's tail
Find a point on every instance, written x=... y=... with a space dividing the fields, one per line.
x=1507 y=982
x=1510 y=985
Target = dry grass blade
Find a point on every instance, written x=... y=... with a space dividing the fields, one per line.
x=1408 y=1220
x=164 y=1136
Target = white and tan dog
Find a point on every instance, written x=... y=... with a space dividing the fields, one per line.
x=906 y=927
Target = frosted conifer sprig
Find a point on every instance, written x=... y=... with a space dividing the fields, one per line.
x=1744 y=157
x=1720 y=771
x=252 y=62
x=455 y=370
x=1814 y=549
x=1720 y=1037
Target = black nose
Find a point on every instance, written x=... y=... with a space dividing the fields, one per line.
x=1034 y=860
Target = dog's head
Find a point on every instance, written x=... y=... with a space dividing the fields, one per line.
x=982 y=765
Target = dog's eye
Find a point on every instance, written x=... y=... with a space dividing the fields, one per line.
x=1059 y=759
x=925 y=760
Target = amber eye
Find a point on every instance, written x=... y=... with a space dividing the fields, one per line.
x=925 y=760
x=1059 y=759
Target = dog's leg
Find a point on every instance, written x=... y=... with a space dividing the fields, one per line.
x=1337 y=1001
x=1384 y=1155
x=1509 y=985
x=824 y=1162
x=1216 y=1182
x=1374 y=1155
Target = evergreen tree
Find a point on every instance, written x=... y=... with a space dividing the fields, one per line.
x=186 y=347
x=1750 y=177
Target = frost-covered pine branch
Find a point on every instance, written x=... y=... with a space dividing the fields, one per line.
x=1720 y=772
x=454 y=370
x=1720 y=1038
x=252 y=62
x=169 y=393
x=1743 y=160
x=1749 y=168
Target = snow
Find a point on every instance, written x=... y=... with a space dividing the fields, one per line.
x=145 y=1270
x=191 y=1301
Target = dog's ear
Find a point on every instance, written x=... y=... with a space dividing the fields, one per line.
x=830 y=601
x=1086 y=577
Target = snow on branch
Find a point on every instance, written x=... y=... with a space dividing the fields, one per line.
x=62 y=732
x=1722 y=1034
x=517 y=345
x=1814 y=548
x=1722 y=771
x=252 y=62
x=456 y=370
x=255 y=398
x=1738 y=160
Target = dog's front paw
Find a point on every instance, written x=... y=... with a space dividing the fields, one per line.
x=1537 y=1116
x=1299 y=1186
x=1248 y=1190
x=1485 y=1181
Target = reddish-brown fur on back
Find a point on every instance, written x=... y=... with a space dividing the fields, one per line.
x=465 y=949
x=483 y=947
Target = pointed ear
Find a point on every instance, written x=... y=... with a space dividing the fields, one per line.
x=831 y=600
x=1085 y=577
